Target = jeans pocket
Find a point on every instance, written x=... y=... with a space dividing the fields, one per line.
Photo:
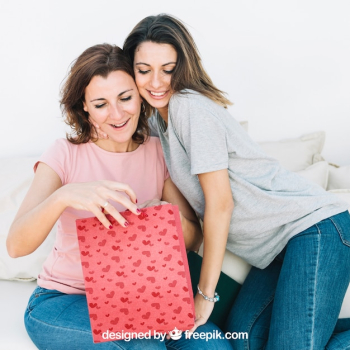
x=342 y=225
x=39 y=295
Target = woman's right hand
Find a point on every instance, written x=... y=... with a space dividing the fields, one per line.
x=94 y=196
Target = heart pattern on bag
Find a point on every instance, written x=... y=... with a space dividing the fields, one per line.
x=135 y=282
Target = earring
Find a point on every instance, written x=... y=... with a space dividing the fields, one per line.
x=143 y=107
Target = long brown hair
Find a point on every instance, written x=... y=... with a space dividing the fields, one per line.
x=96 y=60
x=189 y=72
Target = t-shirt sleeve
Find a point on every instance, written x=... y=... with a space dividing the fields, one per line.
x=201 y=133
x=57 y=158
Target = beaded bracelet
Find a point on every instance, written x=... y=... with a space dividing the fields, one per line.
x=213 y=300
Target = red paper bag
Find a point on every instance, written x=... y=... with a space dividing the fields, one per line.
x=136 y=278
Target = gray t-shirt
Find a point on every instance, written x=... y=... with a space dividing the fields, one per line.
x=272 y=204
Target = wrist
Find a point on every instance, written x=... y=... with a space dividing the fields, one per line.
x=215 y=298
x=60 y=198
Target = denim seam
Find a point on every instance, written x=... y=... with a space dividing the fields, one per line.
x=340 y=231
x=315 y=287
x=255 y=317
x=73 y=302
x=68 y=329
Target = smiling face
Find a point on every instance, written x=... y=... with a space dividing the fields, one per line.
x=114 y=104
x=153 y=66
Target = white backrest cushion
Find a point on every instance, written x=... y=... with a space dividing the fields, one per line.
x=296 y=154
x=317 y=173
x=338 y=177
x=244 y=125
x=16 y=176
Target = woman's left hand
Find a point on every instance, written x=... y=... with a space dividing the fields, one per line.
x=203 y=309
x=100 y=133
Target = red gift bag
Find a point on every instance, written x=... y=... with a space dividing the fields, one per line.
x=136 y=278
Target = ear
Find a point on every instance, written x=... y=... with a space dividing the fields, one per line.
x=84 y=106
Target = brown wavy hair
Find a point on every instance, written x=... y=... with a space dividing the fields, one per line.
x=96 y=60
x=189 y=72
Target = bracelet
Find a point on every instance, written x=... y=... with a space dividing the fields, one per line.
x=213 y=300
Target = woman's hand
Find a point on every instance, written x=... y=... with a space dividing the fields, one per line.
x=47 y=199
x=203 y=309
x=100 y=133
x=92 y=196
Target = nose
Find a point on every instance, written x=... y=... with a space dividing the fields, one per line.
x=156 y=81
x=116 y=112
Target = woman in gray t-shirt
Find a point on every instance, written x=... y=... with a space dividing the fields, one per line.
x=295 y=234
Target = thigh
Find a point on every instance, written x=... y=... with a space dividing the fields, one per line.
x=251 y=312
x=340 y=339
x=56 y=321
x=210 y=337
x=311 y=287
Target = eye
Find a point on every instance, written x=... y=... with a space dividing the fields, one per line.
x=100 y=106
x=169 y=71
x=143 y=71
x=126 y=98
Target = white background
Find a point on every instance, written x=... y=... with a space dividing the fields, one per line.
x=284 y=64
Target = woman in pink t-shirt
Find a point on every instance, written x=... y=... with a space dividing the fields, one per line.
x=84 y=176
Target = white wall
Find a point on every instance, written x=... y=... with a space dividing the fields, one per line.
x=285 y=64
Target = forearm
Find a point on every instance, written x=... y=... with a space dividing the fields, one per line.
x=29 y=230
x=192 y=234
x=215 y=230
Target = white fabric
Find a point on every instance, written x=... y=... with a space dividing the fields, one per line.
x=15 y=178
x=338 y=177
x=296 y=154
x=317 y=173
x=244 y=125
x=13 y=302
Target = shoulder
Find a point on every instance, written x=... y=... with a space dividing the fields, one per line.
x=59 y=146
x=190 y=97
x=189 y=101
x=153 y=147
x=64 y=151
x=152 y=142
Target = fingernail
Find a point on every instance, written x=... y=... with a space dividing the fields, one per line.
x=138 y=210
x=110 y=226
x=136 y=200
x=103 y=210
x=126 y=224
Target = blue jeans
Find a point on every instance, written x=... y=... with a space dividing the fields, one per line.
x=58 y=321
x=294 y=303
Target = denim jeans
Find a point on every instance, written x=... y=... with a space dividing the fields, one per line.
x=294 y=303
x=58 y=321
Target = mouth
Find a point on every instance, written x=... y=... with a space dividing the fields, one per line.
x=119 y=126
x=158 y=95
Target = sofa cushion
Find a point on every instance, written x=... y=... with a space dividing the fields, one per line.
x=317 y=173
x=296 y=154
x=339 y=177
x=13 y=302
x=16 y=176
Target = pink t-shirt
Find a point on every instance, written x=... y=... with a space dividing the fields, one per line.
x=144 y=170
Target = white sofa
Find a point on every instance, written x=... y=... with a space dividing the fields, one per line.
x=17 y=276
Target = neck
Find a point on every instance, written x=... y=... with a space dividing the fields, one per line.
x=163 y=112
x=116 y=147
